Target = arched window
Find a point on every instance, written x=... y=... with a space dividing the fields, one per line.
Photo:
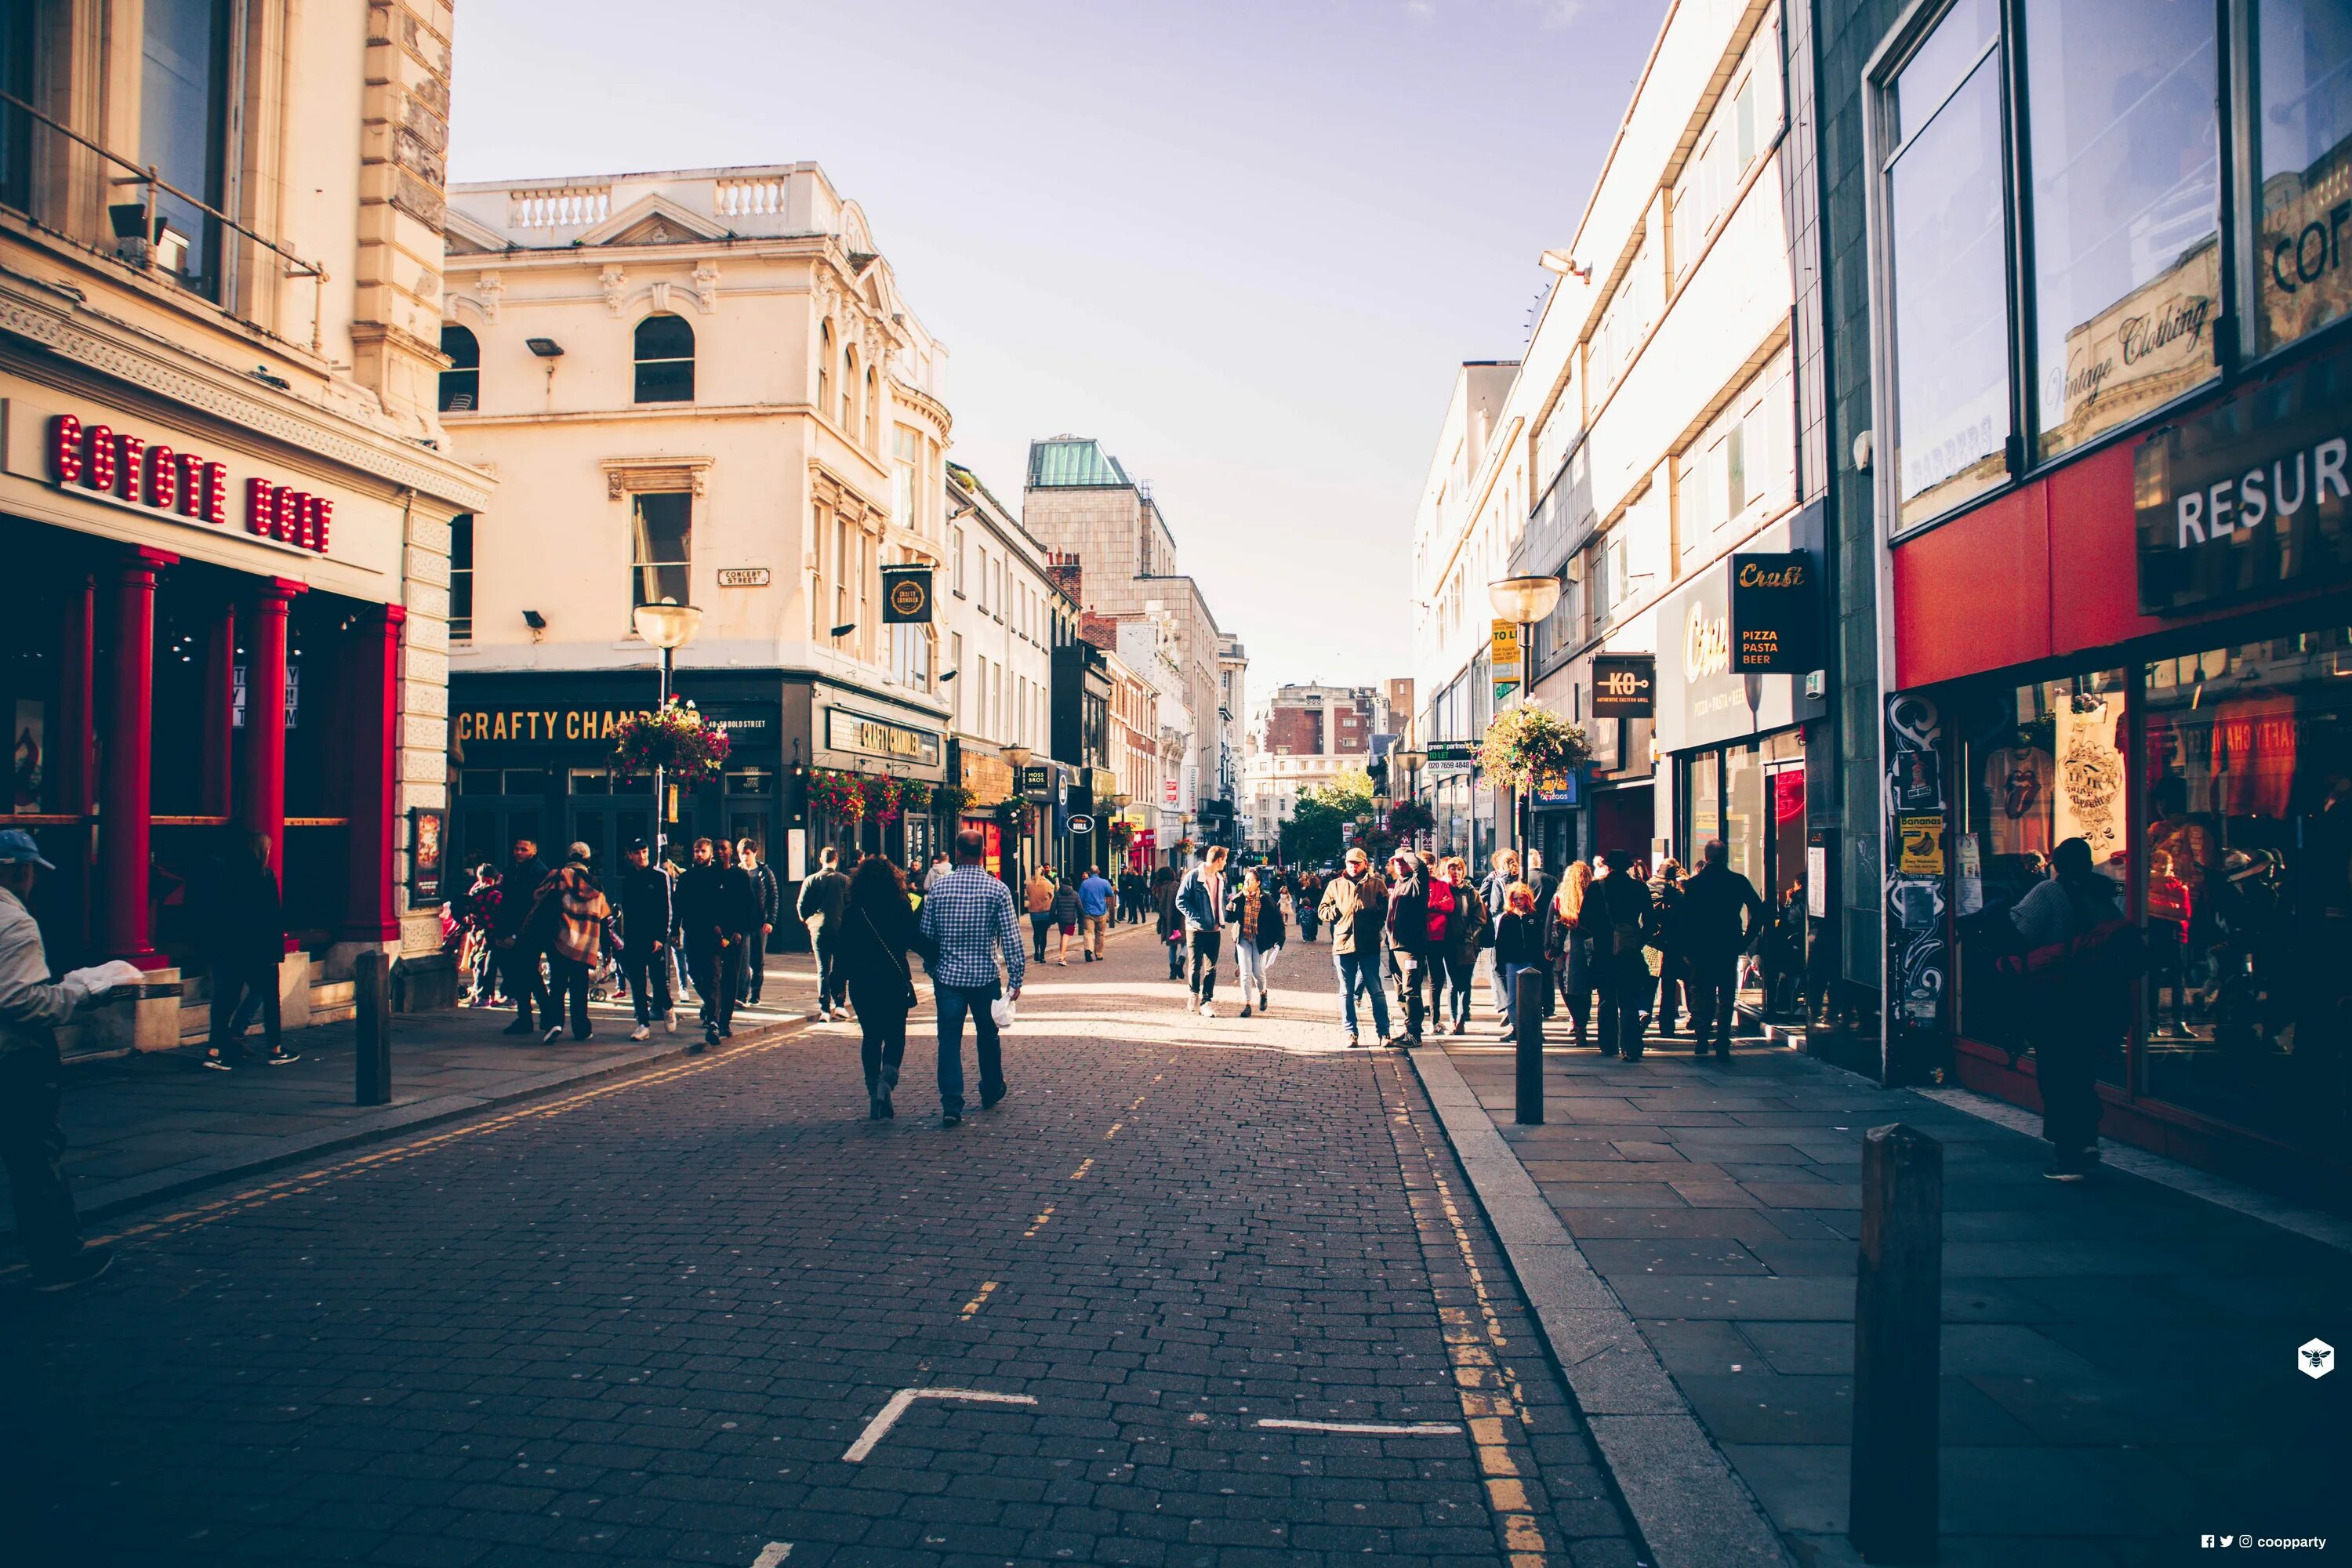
x=461 y=383
x=825 y=366
x=664 y=360
x=872 y=402
x=848 y=389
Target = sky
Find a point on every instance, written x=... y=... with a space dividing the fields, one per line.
x=1244 y=245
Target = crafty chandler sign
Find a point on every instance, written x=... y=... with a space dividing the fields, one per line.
x=2253 y=498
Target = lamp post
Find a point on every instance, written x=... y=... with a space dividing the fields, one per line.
x=668 y=625
x=1408 y=761
x=1525 y=601
x=1018 y=755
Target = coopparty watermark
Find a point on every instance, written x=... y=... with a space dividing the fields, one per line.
x=2248 y=1542
x=2314 y=1358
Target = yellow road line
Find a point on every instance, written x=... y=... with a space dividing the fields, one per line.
x=970 y=1308
x=1114 y=1131
x=1084 y=1166
x=1038 y=1224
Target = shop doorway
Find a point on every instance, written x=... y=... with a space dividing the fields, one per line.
x=495 y=807
x=1623 y=819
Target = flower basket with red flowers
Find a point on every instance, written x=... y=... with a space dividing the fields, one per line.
x=1409 y=817
x=1529 y=742
x=839 y=795
x=674 y=738
x=914 y=795
x=882 y=799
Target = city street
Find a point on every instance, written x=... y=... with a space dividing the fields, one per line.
x=1215 y=1289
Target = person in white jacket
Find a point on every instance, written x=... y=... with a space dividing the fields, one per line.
x=32 y=1143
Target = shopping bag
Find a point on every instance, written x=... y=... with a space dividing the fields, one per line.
x=1001 y=1011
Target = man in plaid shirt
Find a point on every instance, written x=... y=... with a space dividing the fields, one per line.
x=968 y=918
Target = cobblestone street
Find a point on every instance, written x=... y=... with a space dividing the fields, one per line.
x=653 y=1319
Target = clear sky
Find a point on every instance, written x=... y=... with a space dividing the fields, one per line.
x=1245 y=245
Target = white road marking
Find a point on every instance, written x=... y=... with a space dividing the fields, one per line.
x=772 y=1554
x=879 y=1427
x=1370 y=1429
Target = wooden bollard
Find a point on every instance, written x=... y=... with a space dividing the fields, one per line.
x=1898 y=1347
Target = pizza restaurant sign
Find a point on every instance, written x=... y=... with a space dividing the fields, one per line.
x=130 y=470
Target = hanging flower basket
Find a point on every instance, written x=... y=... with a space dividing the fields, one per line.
x=675 y=739
x=839 y=795
x=1529 y=742
x=882 y=799
x=1409 y=819
x=951 y=800
x=914 y=796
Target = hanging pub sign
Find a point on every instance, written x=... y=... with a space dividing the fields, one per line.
x=906 y=595
x=2251 y=497
x=1775 y=613
x=1624 y=685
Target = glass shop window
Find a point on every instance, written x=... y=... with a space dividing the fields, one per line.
x=2303 y=68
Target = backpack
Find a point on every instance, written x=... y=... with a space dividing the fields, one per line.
x=1626 y=935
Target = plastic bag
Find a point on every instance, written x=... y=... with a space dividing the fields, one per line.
x=1001 y=1011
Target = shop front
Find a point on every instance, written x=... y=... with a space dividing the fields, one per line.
x=210 y=649
x=872 y=764
x=2181 y=699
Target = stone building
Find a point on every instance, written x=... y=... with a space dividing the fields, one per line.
x=1309 y=736
x=220 y=286
x=703 y=386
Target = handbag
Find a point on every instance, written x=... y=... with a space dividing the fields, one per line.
x=912 y=1000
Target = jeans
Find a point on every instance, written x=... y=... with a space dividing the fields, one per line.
x=1714 y=994
x=1411 y=967
x=648 y=977
x=1675 y=982
x=1201 y=972
x=238 y=991
x=1041 y=925
x=571 y=985
x=33 y=1147
x=1249 y=968
x=525 y=984
x=714 y=981
x=1624 y=992
x=1361 y=970
x=1510 y=973
x=953 y=1001
x=1449 y=982
x=831 y=990
x=882 y=1046
x=755 y=965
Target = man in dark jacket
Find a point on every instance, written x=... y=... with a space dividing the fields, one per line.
x=511 y=947
x=770 y=896
x=246 y=925
x=1720 y=916
x=1623 y=904
x=1408 y=928
x=645 y=919
x=1354 y=905
x=1547 y=888
x=823 y=898
x=716 y=908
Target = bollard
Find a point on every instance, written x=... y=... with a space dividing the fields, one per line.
x=1527 y=1006
x=1898 y=1347
x=372 y=989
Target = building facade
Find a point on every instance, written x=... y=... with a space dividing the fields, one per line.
x=2090 y=387
x=1147 y=646
x=1308 y=735
x=1080 y=501
x=221 y=460
x=701 y=387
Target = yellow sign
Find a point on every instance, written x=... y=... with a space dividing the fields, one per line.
x=1504 y=646
x=544 y=723
x=1923 y=844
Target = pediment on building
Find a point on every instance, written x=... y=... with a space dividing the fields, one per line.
x=461 y=234
x=655 y=220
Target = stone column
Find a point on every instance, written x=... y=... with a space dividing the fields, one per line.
x=123 y=821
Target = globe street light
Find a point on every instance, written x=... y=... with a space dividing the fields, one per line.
x=1525 y=601
x=667 y=626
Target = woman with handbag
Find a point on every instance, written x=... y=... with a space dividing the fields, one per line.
x=879 y=928
x=1574 y=945
x=1255 y=911
x=1467 y=929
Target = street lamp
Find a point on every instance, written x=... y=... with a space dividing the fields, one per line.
x=667 y=626
x=1018 y=755
x=1525 y=601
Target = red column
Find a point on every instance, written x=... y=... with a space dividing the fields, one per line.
x=220 y=715
x=375 y=731
x=265 y=718
x=76 y=727
x=123 y=814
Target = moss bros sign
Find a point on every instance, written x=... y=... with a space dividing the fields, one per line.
x=2253 y=498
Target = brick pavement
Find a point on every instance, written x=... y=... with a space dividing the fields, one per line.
x=2118 y=1357
x=642 y=1320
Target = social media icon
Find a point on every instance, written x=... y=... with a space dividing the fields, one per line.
x=2204 y=1541
x=2229 y=1540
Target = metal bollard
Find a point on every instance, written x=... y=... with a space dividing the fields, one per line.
x=1527 y=1007
x=372 y=977
x=1898 y=1347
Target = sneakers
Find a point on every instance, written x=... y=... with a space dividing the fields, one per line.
x=669 y=1021
x=991 y=1101
x=2064 y=1168
x=951 y=1118
x=1353 y=1043
x=519 y=1026
x=1263 y=1005
x=1246 y=1009
x=217 y=1062
x=823 y=1015
x=552 y=1033
x=1209 y=1009
x=79 y=1269
x=642 y=1032
x=280 y=1057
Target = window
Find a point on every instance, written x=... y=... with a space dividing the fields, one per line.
x=461 y=383
x=660 y=529
x=16 y=126
x=955 y=662
x=2126 y=151
x=873 y=405
x=1945 y=238
x=2303 y=57
x=183 y=127
x=664 y=361
x=848 y=389
x=823 y=365
x=906 y=449
x=840 y=572
x=956 y=552
x=461 y=578
x=1626 y=321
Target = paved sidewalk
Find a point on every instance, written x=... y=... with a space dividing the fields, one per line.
x=2119 y=1366
x=155 y=1124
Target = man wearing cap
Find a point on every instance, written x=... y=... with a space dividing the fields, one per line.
x=32 y=1143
